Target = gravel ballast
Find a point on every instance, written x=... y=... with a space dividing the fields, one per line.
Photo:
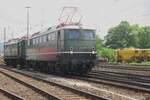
x=19 y=89
x=54 y=90
x=3 y=97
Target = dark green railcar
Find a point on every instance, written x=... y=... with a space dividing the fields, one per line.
x=67 y=49
x=11 y=52
x=22 y=51
x=81 y=44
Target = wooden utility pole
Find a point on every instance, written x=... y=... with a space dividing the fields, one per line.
x=4 y=40
x=28 y=21
x=4 y=35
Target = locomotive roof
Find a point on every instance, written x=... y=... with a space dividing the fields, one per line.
x=49 y=30
x=12 y=41
x=56 y=28
x=77 y=27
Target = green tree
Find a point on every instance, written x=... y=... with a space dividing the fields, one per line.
x=103 y=51
x=107 y=52
x=99 y=44
x=133 y=36
x=121 y=36
x=144 y=37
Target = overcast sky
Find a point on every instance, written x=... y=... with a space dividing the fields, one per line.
x=101 y=14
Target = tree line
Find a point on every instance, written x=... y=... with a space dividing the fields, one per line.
x=126 y=35
x=123 y=35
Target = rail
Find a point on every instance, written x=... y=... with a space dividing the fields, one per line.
x=125 y=67
x=11 y=95
x=44 y=93
x=74 y=90
x=119 y=79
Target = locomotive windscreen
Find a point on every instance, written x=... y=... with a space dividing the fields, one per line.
x=80 y=33
x=73 y=34
x=88 y=35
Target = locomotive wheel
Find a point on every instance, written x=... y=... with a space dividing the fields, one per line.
x=10 y=62
x=85 y=69
x=14 y=63
x=7 y=62
x=28 y=65
x=43 y=67
x=51 y=67
x=89 y=67
x=62 y=69
x=71 y=69
x=82 y=68
x=46 y=67
x=66 y=69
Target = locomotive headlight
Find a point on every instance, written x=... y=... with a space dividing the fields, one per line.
x=93 y=52
x=71 y=52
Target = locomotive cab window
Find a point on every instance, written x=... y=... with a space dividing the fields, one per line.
x=73 y=34
x=28 y=42
x=88 y=35
x=49 y=36
x=33 y=41
x=40 y=39
x=44 y=38
x=36 y=41
x=53 y=36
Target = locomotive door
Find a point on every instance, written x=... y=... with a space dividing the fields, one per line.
x=58 y=41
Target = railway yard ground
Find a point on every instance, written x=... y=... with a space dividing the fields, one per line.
x=75 y=50
x=105 y=82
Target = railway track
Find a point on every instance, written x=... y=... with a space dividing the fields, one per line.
x=129 y=76
x=63 y=93
x=138 y=83
x=10 y=95
x=131 y=81
x=125 y=67
x=39 y=92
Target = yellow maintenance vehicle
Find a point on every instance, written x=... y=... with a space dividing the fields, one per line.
x=132 y=54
